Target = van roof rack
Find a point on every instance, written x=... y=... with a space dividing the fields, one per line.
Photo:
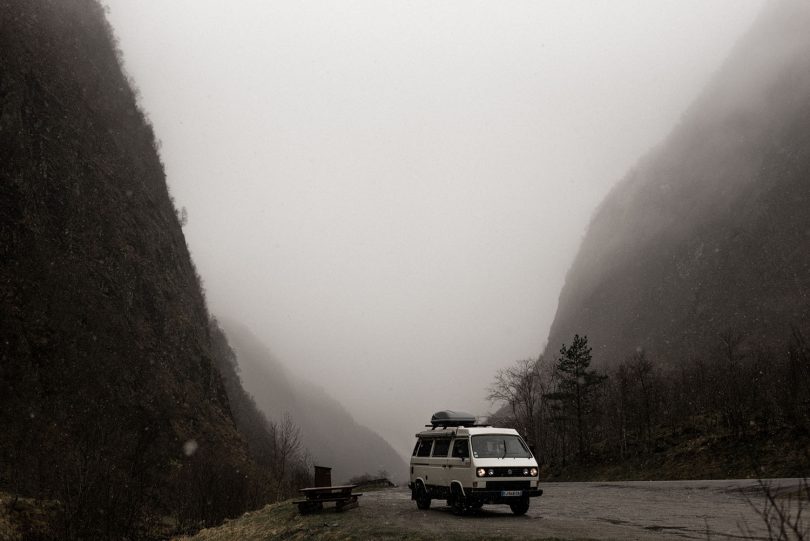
x=450 y=418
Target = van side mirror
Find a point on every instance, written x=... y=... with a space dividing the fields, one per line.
x=533 y=449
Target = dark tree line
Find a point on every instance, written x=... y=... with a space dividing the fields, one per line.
x=573 y=414
x=112 y=471
x=553 y=405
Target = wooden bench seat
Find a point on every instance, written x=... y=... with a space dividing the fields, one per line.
x=315 y=498
x=329 y=499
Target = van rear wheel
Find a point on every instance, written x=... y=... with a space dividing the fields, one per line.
x=520 y=507
x=421 y=497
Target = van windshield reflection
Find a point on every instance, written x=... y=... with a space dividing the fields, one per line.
x=499 y=446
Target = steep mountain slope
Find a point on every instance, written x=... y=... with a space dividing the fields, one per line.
x=329 y=432
x=711 y=231
x=109 y=400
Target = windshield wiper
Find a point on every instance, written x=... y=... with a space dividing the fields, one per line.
x=504 y=450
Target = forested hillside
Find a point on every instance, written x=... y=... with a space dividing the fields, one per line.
x=710 y=232
x=111 y=404
x=329 y=433
x=679 y=348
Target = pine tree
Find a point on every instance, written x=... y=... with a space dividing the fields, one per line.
x=576 y=387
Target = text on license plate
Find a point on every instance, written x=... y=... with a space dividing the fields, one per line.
x=505 y=493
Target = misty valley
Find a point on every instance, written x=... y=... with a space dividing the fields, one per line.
x=174 y=373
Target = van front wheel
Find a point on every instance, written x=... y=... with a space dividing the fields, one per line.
x=421 y=497
x=456 y=501
x=520 y=507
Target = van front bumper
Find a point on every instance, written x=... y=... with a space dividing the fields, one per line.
x=485 y=495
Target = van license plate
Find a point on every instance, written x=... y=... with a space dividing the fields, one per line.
x=506 y=493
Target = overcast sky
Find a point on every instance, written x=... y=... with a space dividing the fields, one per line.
x=389 y=194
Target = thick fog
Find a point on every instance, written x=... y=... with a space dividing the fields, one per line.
x=389 y=194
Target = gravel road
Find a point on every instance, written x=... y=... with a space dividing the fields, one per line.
x=628 y=510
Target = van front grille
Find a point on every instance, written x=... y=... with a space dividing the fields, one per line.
x=509 y=472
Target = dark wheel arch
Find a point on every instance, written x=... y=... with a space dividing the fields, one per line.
x=420 y=494
x=457 y=500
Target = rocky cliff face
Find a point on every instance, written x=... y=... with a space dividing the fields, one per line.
x=108 y=394
x=711 y=231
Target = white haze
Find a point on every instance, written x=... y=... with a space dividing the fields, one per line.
x=389 y=194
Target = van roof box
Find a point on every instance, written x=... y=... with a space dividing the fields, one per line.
x=452 y=418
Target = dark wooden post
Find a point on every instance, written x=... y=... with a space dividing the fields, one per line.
x=323 y=476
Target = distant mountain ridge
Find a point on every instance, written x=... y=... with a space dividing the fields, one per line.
x=330 y=434
x=711 y=230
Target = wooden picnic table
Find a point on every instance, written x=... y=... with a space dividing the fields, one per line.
x=316 y=496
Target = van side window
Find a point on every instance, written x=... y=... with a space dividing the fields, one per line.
x=461 y=449
x=441 y=447
x=424 y=447
x=415 y=447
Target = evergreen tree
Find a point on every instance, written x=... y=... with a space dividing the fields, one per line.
x=576 y=388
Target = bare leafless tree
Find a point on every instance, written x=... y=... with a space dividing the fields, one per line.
x=521 y=388
x=287 y=450
x=784 y=512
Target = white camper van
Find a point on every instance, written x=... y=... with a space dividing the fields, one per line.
x=470 y=465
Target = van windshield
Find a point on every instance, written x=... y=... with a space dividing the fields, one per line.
x=499 y=446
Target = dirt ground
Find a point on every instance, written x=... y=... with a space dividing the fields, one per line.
x=631 y=510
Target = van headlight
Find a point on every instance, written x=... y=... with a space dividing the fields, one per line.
x=480 y=472
x=533 y=472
